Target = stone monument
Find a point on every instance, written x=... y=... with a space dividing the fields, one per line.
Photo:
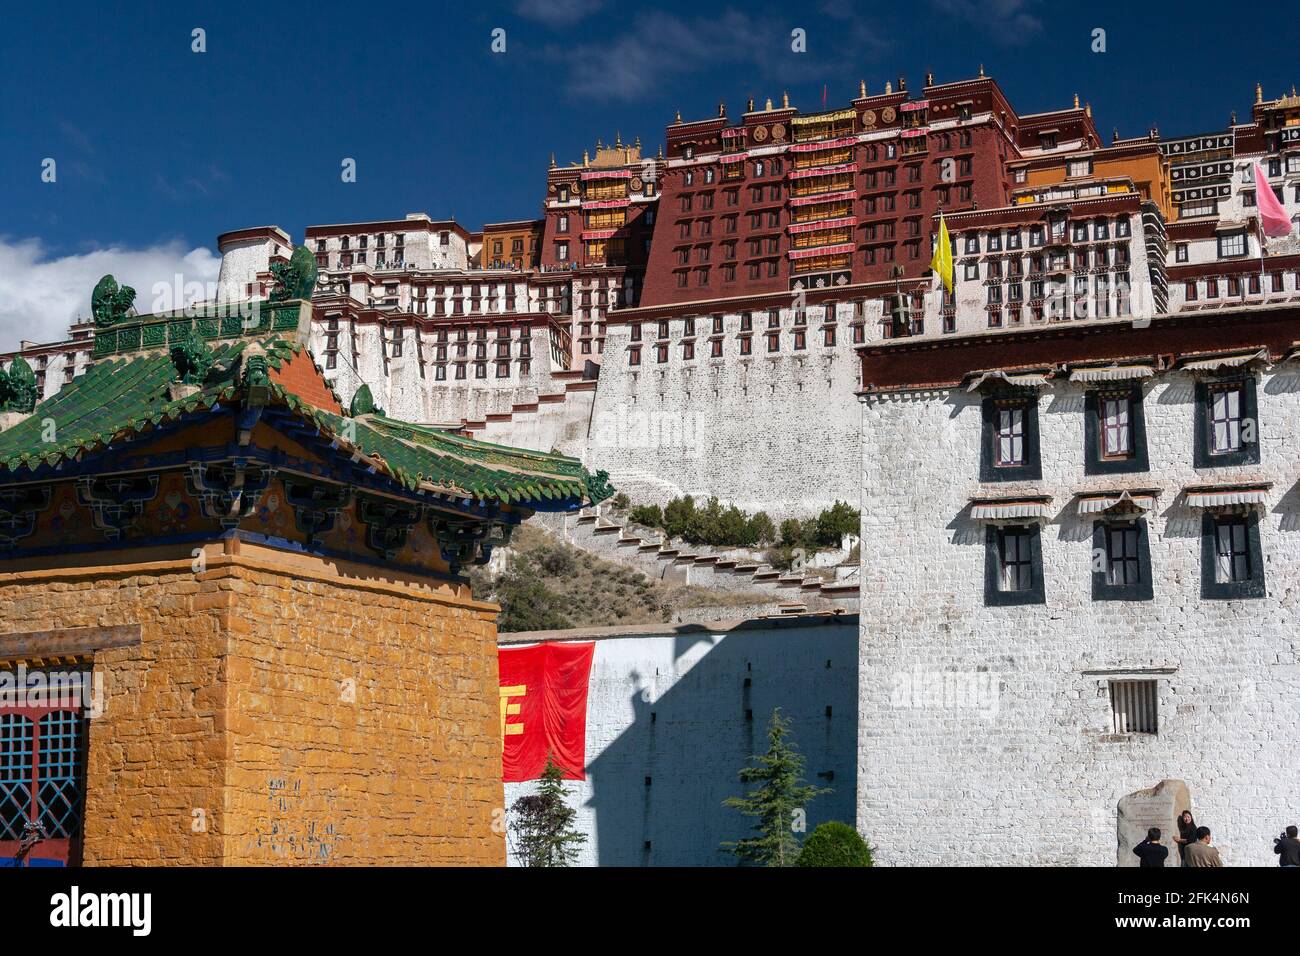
x=1160 y=807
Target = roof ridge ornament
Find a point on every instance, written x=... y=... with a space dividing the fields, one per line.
x=111 y=303
x=295 y=279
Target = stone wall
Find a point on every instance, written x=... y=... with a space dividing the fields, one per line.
x=311 y=717
x=771 y=431
x=986 y=732
x=675 y=711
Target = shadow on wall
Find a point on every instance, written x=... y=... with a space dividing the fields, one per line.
x=656 y=790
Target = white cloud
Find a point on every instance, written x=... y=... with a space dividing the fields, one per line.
x=557 y=13
x=41 y=295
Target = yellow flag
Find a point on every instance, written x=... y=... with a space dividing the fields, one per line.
x=942 y=261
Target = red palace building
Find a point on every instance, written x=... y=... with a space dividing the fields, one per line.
x=783 y=200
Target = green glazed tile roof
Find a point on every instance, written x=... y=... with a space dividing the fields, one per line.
x=123 y=396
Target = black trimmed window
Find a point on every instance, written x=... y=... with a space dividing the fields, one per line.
x=1227 y=424
x=1114 y=431
x=1013 y=565
x=1009 y=451
x=1121 y=554
x=1232 y=563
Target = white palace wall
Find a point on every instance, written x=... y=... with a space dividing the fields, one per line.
x=773 y=431
x=986 y=733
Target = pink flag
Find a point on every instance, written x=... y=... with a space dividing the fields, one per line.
x=1272 y=215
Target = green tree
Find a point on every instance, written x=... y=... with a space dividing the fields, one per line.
x=792 y=533
x=835 y=844
x=835 y=522
x=527 y=604
x=778 y=801
x=678 y=514
x=652 y=516
x=761 y=529
x=541 y=827
x=620 y=502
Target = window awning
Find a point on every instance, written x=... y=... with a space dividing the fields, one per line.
x=1096 y=503
x=1230 y=360
x=996 y=509
x=1224 y=496
x=1111 y=373
x=1018 y=379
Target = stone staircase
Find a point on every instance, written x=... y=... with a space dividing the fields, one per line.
x=594 y=531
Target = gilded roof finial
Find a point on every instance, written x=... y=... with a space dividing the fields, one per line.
x=902 y=83
x=618 y=139
x=722 y=109
x=889 y=87
x=1259 y=93
x=660 y=153
x=1114 y=134
x=679 y=116
x=862 y=87
x=768 y=107
x=981 y=69
x=637 y=144
x=749 y=105
x=1232 y=119
x=929 y=78
x=586 y=157
x=1076 y=101
x=785 y=100
x=1087 y=108
x=552 y=160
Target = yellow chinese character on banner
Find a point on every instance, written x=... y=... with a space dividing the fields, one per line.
x=509 y=710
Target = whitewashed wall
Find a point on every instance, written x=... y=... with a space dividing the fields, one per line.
x=670 y=705
x=1032 y=774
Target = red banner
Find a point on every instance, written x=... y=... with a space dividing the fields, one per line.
x=544 y=709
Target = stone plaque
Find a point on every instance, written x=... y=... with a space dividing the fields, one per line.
x=1143 y=809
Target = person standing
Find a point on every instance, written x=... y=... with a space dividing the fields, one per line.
x=1150 y=851
x=1199 y=853
x=1287 y=848
x=1186 y=834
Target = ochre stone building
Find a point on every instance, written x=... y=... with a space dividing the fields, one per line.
x=252 y=601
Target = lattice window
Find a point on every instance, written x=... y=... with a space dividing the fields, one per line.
x=1134 y=706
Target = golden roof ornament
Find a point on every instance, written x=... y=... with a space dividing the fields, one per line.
x=768 y=107
x=1076 y=101
x=1087 y=108
x=981 y=69
x=1259 y=93
x=679 y=117
x=929 y=79
x=586 y=157
x=749 y=106
x=785 y=100
x=889 y=87
x=862 y=88
x=722 y=110
x=552 y=160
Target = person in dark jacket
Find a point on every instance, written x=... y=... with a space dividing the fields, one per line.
x=1287 y=848
x=1150 y=851
x=1186 y=834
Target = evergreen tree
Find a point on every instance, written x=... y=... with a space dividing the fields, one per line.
x=780 y=795
x=541 y=829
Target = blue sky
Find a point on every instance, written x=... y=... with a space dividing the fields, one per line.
x=159 y=148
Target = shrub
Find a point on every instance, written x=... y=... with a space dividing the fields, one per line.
x=835 y=844
x=835 y=522
x=649 y=515
x=620 y=502
x=761 y=529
